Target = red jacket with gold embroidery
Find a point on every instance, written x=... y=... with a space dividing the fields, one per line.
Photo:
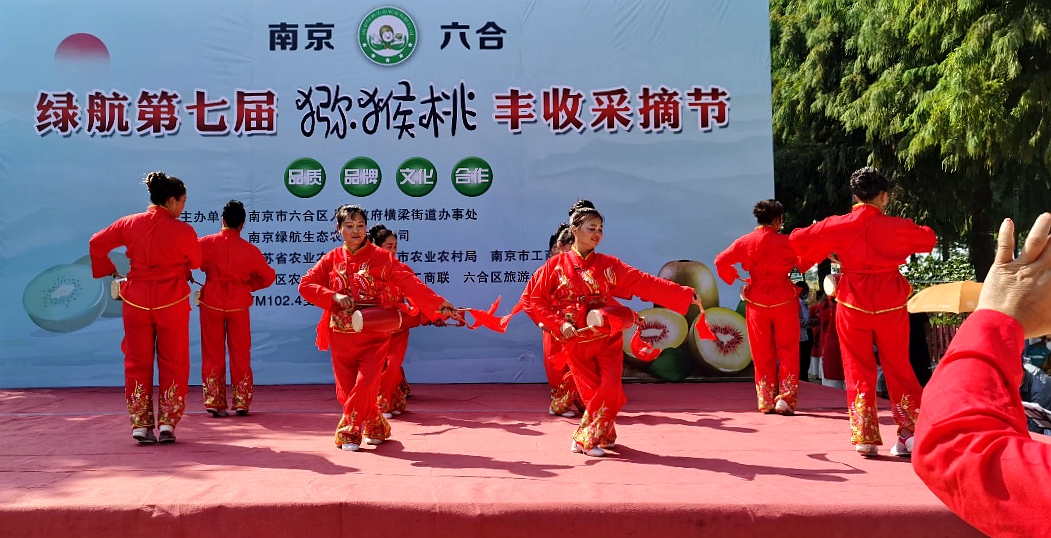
x=768 y=257
x=161 y=249
x=972 y=447
x=870 y=247
x=568 y=286
x=234 y=269
x=369 y=276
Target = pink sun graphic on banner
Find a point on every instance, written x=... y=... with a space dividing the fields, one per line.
x=82 y=48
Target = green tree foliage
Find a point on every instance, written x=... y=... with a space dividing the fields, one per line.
x=951 y=98
x=924 y=271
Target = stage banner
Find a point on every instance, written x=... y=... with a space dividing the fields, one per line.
x=467 y=127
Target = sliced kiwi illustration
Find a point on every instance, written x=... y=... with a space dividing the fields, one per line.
x=64 y=298
x=729 y=352
x=697 y=276
x=114 y=308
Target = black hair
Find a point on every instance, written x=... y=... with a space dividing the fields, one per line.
x=867 y=183
x=566 y=237
x=584 y=214
x=562 y=226
x=379 y=233
x=767 y=211
x=580 y=204
x=347 y=211
x=234 y=214
x=163 y=187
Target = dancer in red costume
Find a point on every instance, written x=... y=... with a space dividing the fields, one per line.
x=393 y=386
x=564 y=393
x=568 y=286
x=360 y=273
x=771 y=306
x=234 y=269
x=972 y=446
x=162 y=251
x=872 y=295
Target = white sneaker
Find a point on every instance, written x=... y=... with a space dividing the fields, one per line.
x=388 y=415
x=867 y=450
x=395 y=412
x=144 y=436
x=903 y=447
x=353 y=447
x=373 y=442
x=166 y=433
x=595 y=452
x=782 y=408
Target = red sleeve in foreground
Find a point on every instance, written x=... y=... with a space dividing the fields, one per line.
x=972 y=447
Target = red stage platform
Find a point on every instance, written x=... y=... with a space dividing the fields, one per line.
x=467 y=460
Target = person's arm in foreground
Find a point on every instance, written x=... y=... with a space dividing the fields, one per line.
x=972 y=446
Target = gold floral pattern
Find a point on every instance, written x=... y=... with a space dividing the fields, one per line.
x=789 y=391
x=864 y=424
x=905 y=412
x=403 y=386
x=562 y=397
x=243 y=393
x=214 y=387
x=376 y=427
x=348 y=430
x=595 y=429
x=140 y=406
x=172 y=405
x=765 y=393
x=395 y=402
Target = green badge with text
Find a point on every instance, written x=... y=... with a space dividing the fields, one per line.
x=472 y=176
x=305 y=177
x=361 y=176
x=387 y=36
x=417 y=177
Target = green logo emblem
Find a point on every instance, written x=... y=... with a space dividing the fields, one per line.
x=361 y=176
x=417 y=177
x=472 y=176
x=305 y=177
x=387 y=36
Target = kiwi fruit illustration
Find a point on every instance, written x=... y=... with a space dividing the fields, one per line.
x=64 y=298
x=729 y=352
x=665 y=330
x=697 y=276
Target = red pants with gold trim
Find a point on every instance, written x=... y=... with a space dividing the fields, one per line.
x=889 y=332
x=597 y=368
x=221 y=331
x=564 y=394
x=391 y=394
x=164 y=334
x=773 y=335
x=357 y=362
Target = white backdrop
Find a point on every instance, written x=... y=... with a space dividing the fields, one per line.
x=659 y=112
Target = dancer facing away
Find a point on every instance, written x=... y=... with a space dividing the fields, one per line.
x=972 y=446
x=162 y=251
x=771 y=306
x=348 y=277
x=568 y=286
x=234 y=269
x=872 y=295
x=393 y=386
